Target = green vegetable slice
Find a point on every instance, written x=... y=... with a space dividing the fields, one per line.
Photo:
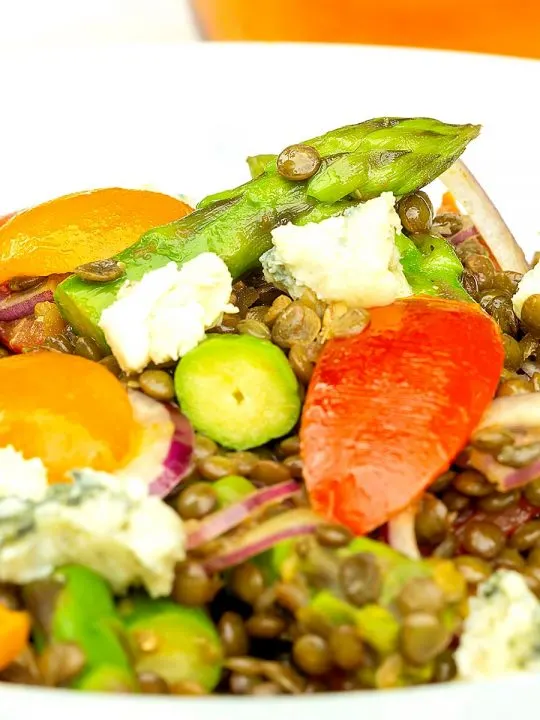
x=238 y=390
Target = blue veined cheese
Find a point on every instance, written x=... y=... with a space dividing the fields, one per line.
x=26 y=479
x=108 y=524
x=502 y=631
x=351 y=258
x=166 y=314
x=528 y=285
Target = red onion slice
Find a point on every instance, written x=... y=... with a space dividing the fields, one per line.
x=485 y=216
x=402 y=533
x=504 y=477
x=15 y=306
x=463 y=234
x=293 y=523
x=220 y=522
x=166 y=445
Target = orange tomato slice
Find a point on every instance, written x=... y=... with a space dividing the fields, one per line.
x=68 y=411
x=61 y=234
x=388 y=410
x=14 y=633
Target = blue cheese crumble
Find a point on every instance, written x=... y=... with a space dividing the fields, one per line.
x=502 y=632
x=351 y=258
x=108 y=524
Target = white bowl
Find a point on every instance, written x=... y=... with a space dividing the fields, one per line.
x=183 y=119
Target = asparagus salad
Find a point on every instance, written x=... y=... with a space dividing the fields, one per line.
x=285 y=442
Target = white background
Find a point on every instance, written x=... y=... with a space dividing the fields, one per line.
x=42 y=23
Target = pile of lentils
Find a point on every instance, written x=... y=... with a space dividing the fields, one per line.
x=271 y=643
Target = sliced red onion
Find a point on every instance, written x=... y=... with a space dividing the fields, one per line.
x=485 y=216
x=506 y=478
x=463 y=234
x=15 y=306
x=220 y=522
x=166 y=445
x=293 y=523
x=402 y=533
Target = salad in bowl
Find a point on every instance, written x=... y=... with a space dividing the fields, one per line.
x=285 y=442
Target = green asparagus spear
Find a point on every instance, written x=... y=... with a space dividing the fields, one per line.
x=77 y=606
x=186 y=648
x=401 y=159
x=374 y=156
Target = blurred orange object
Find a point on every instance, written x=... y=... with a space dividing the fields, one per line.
x=499 y=26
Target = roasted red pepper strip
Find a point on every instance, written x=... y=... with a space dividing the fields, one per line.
x=387 y=410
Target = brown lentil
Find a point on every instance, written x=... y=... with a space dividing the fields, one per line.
x=215 y=467
x=291 y=597
x=532 y=492
x=534 y=556
x=470 y=283
x=298 y=162
x=510 y=559
x=512 y=352
x=473 y=569
x=529 y=347
x=192 y=584
x=24 y=283
x=455 y=502
x=498 y=501
x=244 y=461
x=157 y=384
x=518 y=456
x=258 y=313
x=526 y=536
x=60 y=662
x=472 y=484
x=482 y=268
x=312 y=655
x=483 y=538
x=360 y=578
x=443 y=481
x=295 y=465
x=151 y=683
x=196 y=501
x=416 y=212
x=492 y=439
x=277 y=307
x=296 y=324
x=203 y=447
x=242 y=684
x=59 y=343
x=310 y=300
x=445 y=668
x=289 y=446
x=101 y=271
x=420 y=595
x=352 y=322
x=423 y=637
x=247 y=582
x=255 y=328
x=346 y=647
x=233 y=634
x=431 y=521
x=333 y=536
x=265 y=626
x=530 y=314
x=301 y=364
x=270 y=472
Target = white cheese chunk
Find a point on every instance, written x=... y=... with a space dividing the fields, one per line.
x=528 y=285
x=26 y=479
x=502 y=632
x=166 y=314
x=351 y=258
x=108 y=524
